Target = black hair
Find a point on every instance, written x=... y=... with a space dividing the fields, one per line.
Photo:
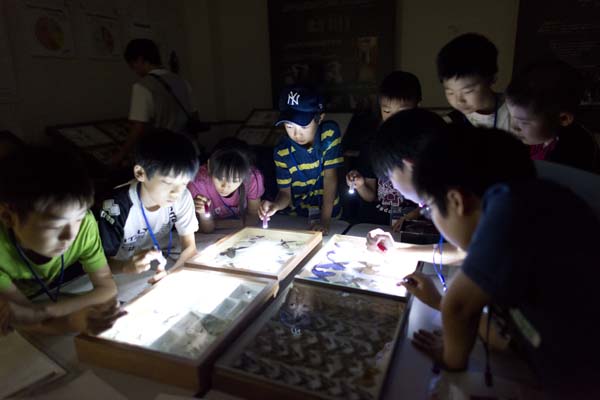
x=466 y=55
x=167 y=153
x=401 y=85
x=34 y=178
x=401 y=137
x=547 y=87
x=144 y=48
x=232 y=160
x=470 y=160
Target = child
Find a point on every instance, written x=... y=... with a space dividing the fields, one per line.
x=543 y=101
x=519 y=248
x=399 y=91
x=46 y=229
x=228 y=186
x=398 y=143
x=306 y=160
x=467 y=68
x=136 y=223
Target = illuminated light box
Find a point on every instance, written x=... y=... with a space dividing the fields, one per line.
x=174 y=330
x=315 y=342
x=270 y=253
x=346 y=261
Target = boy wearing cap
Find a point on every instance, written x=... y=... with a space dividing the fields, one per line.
x=306 y=160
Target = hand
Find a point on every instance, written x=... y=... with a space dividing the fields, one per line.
x=200 y=203
x=320 y=227
x=354 y=177
x=142 y=262
x=431 y=344
x=422 y=287
x=266 y=210
x=99 y=318
x=397 y=225
x=378 y=240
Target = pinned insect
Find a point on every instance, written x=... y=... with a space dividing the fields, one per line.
x=286 y=243
x=231 y=252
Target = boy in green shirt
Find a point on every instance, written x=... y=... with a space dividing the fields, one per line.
x=45 y=228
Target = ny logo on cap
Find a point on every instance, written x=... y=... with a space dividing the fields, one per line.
x=293 y=98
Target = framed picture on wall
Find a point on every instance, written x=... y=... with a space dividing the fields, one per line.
x=48 y=29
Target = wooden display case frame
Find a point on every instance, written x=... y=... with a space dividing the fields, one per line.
x=253 y=387
x=169 y=368
x=359 y=241
x=314 y=240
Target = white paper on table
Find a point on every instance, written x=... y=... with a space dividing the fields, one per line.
x=87 y=386
x=23 y=365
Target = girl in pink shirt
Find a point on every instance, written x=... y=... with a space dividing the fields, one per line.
x=227 y=189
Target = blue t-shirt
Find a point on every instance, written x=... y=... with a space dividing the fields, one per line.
x=535 y=253
x=303 y=169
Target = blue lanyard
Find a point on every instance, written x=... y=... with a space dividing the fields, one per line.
x=438 y=268
x=39 y=280
x=150 y=231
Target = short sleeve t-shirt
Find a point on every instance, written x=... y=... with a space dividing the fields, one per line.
x=152 y=103
x=123 y=229
x=226 y=207
x=388 y=198
x=303 y=169
x=86 y=249
x=537 y=264
x=499 y=119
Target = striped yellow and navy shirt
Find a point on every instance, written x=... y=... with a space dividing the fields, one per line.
x=302 y=169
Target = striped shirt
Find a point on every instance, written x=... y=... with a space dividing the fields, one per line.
x=303 y=169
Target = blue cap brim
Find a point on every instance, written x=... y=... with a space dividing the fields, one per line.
x=295 y=117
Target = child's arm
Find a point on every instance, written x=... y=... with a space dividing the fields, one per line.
x=188 y=250
x=282 y=200
x=365 y=187
x=73 y=314
x=104 y=290
x=206 y=222
x=253 y=206
x=461 y=311
x=411 y=253
x=329 y=194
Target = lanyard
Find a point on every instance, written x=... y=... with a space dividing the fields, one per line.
x=39 y=280
x=150 y=231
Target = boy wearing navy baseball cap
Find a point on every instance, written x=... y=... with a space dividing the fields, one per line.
x=306 y=160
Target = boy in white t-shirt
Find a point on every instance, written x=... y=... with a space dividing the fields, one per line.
x=467 y=67
x=136 y=223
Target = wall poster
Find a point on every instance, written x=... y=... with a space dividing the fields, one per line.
x=343 y=47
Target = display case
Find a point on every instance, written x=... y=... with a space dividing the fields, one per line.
x=315 y=342
x=346 y=261
x=270 y=253
x=173 y=332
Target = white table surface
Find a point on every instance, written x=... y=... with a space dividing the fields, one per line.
x=408 y=378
